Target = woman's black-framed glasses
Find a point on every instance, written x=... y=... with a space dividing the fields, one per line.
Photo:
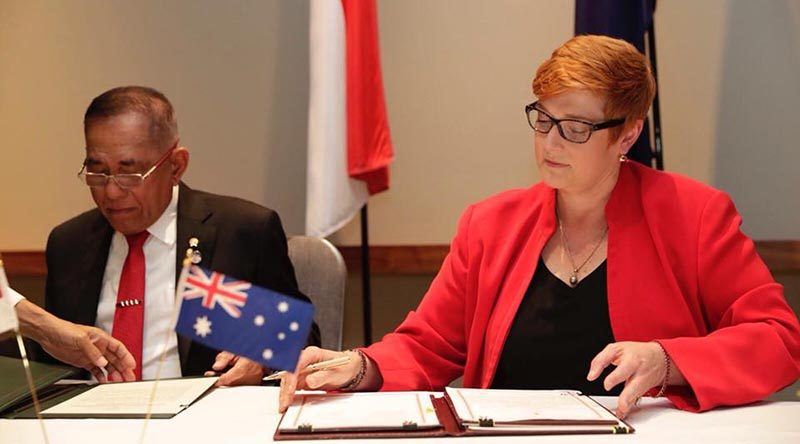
x=126 y=181
x=573 y=130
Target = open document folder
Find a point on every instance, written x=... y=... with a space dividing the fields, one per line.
x=457 y=412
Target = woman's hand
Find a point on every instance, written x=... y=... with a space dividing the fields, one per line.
x=640 y=365
x=329 y=379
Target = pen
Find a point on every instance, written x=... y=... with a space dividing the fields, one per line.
x=322 y=365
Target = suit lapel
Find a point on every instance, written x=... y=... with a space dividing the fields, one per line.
x=95 y=256
x=193 y=222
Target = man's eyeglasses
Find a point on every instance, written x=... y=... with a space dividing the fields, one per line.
x=573 y=130
x=125 y=181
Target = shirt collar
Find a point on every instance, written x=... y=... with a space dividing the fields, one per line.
x=165 y=228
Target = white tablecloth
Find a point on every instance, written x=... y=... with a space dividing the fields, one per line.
x=249 y=415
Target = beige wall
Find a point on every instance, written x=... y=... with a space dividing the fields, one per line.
x=758 y=136
x=457 y=74
x=457 y=78
x=236 y=71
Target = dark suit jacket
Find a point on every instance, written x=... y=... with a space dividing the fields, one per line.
x=235 y=236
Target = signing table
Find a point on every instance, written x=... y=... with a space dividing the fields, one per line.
x=249 y=415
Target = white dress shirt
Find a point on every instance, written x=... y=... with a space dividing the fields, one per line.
x=159 y=299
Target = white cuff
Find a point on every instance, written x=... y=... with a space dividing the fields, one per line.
x=14 y=297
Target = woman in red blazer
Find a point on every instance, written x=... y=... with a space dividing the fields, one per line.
x=694 y=312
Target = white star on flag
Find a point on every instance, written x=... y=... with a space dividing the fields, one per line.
x=202 y=327
x=283 y=307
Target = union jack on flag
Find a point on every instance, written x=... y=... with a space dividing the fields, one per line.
x=260 y=324
x=211 y=287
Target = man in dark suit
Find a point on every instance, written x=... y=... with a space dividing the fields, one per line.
x=116 y=266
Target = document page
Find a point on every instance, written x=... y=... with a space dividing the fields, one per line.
x=131 y=399
x=527 y=406
x=360 y=411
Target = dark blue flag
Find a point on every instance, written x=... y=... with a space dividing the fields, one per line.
x=627 y=20
x=236 y=316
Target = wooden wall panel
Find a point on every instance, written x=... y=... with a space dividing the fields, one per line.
x=781 y=256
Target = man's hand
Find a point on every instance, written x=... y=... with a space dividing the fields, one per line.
x=78 y=345
x=241 y=371
x=640 y=365
x=92 y=349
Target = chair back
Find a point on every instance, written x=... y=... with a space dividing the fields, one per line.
x=321 y=275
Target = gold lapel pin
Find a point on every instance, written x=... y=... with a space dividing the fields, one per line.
x=196 y=256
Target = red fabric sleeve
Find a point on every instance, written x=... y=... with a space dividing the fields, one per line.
x=753 y=349
x=428 y=350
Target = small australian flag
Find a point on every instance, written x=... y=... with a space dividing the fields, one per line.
x=236 y=316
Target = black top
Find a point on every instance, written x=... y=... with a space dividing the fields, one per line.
x=556 y=333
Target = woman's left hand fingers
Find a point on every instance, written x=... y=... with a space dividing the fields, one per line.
x=626 y=368
x=640 y=365
x=602 y=360
x=634 y=389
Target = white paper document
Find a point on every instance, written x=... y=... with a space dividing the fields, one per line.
x=360 y=411
x=473 y=406
x=132 y=399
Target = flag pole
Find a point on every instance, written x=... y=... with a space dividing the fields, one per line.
x=187 y=262
x=365 y=277
x=29 y=378
x=658 y=153
x=23 y=354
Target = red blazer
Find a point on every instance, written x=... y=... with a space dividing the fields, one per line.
x=679 y=271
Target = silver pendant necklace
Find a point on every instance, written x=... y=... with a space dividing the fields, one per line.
x=573 y=279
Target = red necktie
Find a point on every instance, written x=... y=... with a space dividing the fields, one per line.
x=129 y=313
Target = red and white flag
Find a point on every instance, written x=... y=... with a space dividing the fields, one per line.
x=8 y=316
x=349 y=146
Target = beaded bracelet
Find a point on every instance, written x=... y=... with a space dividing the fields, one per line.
x=667 y=362
x=354 y=383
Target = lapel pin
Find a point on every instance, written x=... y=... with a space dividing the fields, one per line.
x=193 y=252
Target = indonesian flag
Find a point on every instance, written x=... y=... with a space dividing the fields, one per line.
x=8 y=316
x=349 y=146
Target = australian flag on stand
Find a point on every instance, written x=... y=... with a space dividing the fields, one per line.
x=236 y=316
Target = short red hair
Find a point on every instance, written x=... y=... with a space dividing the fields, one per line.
x=606 y=66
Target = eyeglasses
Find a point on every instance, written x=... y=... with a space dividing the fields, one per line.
x=125 y=181
x=573 y=130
